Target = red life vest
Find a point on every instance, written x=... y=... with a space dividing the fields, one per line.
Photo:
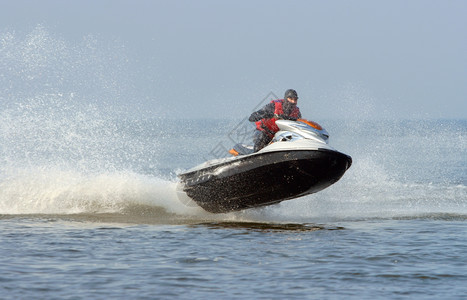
x=269 y=125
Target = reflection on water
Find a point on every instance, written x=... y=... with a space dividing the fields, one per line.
x=266 y=227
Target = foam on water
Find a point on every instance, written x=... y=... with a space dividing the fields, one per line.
x=42 y=191
x=57 y=157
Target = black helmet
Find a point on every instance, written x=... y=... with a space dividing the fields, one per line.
x=290 y=93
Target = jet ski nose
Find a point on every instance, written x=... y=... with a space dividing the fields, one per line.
x=349 y=161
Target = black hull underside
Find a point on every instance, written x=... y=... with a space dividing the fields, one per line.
x=264 y=179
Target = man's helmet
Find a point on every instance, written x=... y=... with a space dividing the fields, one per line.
x=290 y=93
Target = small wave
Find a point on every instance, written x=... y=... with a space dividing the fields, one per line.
x=436 y=216
x=49 y=191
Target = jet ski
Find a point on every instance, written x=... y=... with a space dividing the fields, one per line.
x=297 y=162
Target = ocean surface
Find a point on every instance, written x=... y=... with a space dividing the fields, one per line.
x=89 y=210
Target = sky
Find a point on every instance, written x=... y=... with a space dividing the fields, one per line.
x=219 y=59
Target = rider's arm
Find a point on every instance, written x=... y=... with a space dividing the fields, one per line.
x=266 y=112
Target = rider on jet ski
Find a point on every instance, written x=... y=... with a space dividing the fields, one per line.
x=265 y=118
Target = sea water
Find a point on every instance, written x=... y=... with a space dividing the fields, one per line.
x=88 y=204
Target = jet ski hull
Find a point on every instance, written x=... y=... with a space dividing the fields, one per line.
x=264 y=178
